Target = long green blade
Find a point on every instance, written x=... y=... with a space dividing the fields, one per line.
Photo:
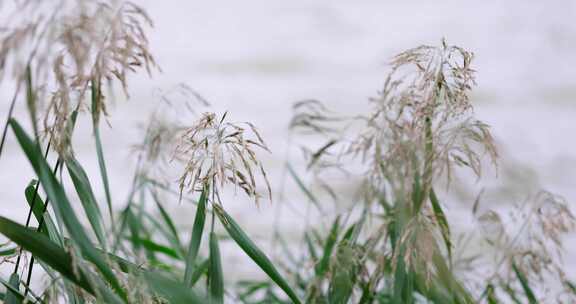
x=196 y=237
x=152 y=246
x=13 y=295
x=254 y=252
x=54 y=256
x=442 y=221
x=43 y=249
x=216 y=280
x=96 y=102
x=303 y=188
x=174 y=236
x=62 y=207
x=10 y=288
x=48 y=228
x=87 y=198
x=172 y=291
x=322 y=267
x=201 y=269
x=344 y=275
x=525 y=285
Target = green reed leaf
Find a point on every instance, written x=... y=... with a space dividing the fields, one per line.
x=195 y=238
x=43 y=249
x=442 y=221
x=13 y=295
x=215 y=272
x=173 y=291
x=525 y=285
x=174 y=236
x=96 y=103
x=62 y=207
x=246 y=244
x=322 y=267
x=87 y=198
x=48 y=227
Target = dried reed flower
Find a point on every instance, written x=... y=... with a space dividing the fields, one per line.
x=155 y=151
x=216 y=152
x=69 y=45
x=492 y=227
x=182 y=97
x=531 y=240
x=312 y=116
x=420 y=126
x=422 y=122
x=316 y=123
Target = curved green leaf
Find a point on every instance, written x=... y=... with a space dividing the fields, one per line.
x=13 y=295
x=442 y=221
x=173 y=236
x=43 y=249
x=172 y=291
x=62 y=207
x=303 y=188
x=322 y=267
x=48 y=226
x=87 y=198
x=96 y=103
x=196 y=237
x=525 y=285
x=54 y=256
x=216 y=280
x=254 y=252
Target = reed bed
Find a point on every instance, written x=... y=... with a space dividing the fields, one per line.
x=395 y=244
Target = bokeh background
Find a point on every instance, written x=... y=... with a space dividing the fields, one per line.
x=254 y=58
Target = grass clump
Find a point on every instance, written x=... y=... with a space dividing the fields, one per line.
x=394 y=244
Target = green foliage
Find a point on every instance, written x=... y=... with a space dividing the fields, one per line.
x=13 y=295
x=45 y=250
x=215 y=272
x=246 y=244
x=48 y=228
x=196 y=238
x=525 y=285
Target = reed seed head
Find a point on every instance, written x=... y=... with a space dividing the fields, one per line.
x=68 y=45
x=216 y=153
x=422 y=122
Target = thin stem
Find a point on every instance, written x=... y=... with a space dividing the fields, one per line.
x=10 y=111
x=281 y=193
x=213 y=202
